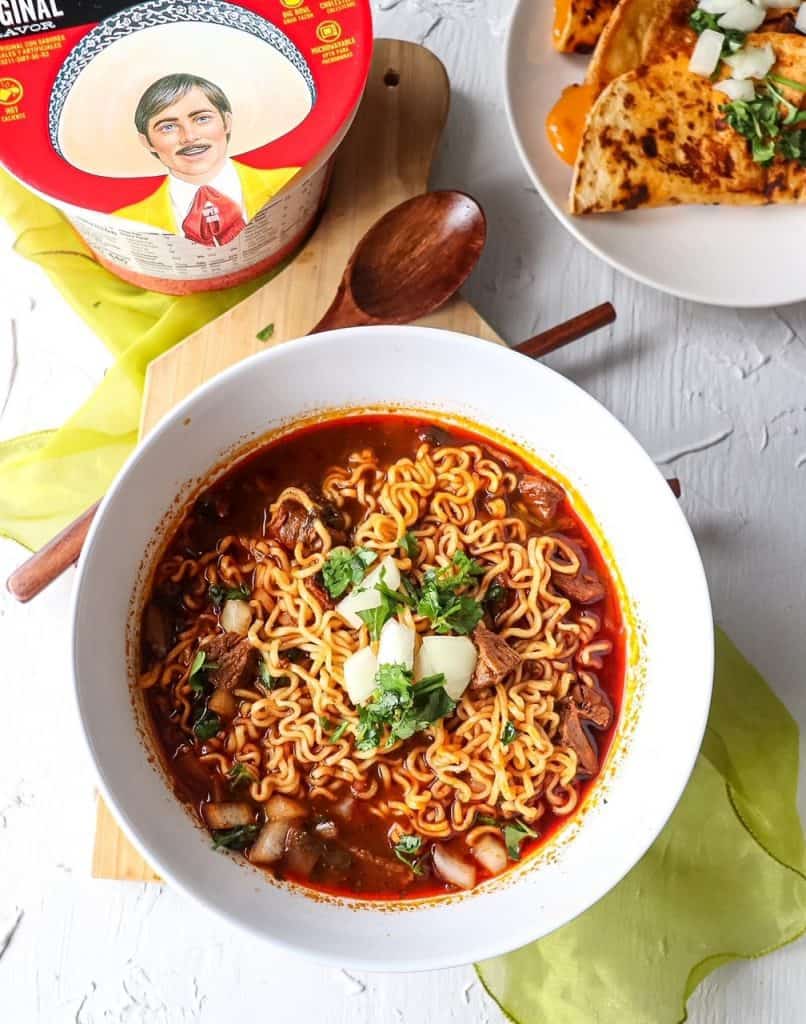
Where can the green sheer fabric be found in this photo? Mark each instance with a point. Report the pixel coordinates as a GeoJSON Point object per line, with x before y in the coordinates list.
{"type": "Point", "coordinates": [724, 880]}
{"type": "Point", "coordinates": [48, 478]}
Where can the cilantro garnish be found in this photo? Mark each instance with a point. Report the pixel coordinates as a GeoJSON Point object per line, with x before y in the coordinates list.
{"type": "Point", "coordinates": [770, 130]}
{"type": "Point", "coordinates": [344, 567]}
{"type": "Point", "coordinates": [514, 834]}
{"type": "Point", "coordinates": [508, 733]}
{"type": "Point", "coordinates": [409, 544]}
{"type": "Point", "coordinates": [266, 681]}
{"type": "Point", "coordinates": [240, 773]}
{"type": "Point", "coordinates": [398, 708]}
{"type": "Point", "coordinates": [333, 733]}
{"type": "Point", "coordinates": [439, 601]}
{"type": "Point", "coordinates": [234, 838]}
{"type": "Point", "coordinates": [407, 849]}
{"type": "Point", "coordinates": [206, 725]}
{"type": "Point", "coordinates": [218, 595]}
{"type": "Point", "coordinates": [265, 332]}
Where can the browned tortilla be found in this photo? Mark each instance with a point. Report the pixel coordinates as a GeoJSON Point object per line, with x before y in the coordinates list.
{"type": "Point", "coordinates": [656, 136]}
{"type": "Point", "coordinates": [582, 25]}
{"type": "Point", "coordinates": [646, 31]}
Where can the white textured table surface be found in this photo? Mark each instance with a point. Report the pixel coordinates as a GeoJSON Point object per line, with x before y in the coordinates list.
{"type": "Point", "coordinates": [717, 397]}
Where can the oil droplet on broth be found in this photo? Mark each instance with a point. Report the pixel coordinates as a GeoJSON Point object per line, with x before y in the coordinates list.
{"type": "Point", "coordinates": [566, 120]}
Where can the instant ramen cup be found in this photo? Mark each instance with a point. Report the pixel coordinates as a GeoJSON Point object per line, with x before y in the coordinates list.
{"type": "Point", "coordinates": [189, 144]}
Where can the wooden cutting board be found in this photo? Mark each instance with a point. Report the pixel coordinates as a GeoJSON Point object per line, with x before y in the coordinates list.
{"type": "Point", "coordinates": [385, 159]}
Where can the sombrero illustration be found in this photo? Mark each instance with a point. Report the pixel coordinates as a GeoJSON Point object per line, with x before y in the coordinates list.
{"type": "Point", "coordinates": [95, 94]}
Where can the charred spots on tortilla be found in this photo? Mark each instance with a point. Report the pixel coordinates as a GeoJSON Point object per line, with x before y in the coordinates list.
{"type": "Point", "coordinates": [649, 144]}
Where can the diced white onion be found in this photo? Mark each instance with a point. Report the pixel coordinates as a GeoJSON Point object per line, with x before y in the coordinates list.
{"type": "Point", "coordinates": [717, 6]}
{"type": "Point", "coordinates": [491, 853]}
{"type": "Point", "coordinates": [269, 846]}
{"type": "Point", "coordinates": [366, 596]}
{"type": "Point", "coordinates": [396, 646]}
{"type": "Point", "coordinates": [453, 869]}
{"type": "Point", "coordinates": [800, 20]}
{"type": "Point", "coordinates": [355, 602]}
{"type": "Point", "coordinates": [745, 17]}
{"type": "Point", "coordinates": [228, 815]}
{"type": "Point", "coordinates": [454, 656]}
{"type": "Point", "coordinates": [706, 53]}
{"type": "Point", "coordinates": [390, 572]}
{"type": "Point", "coordinates": [734, 90]}
{"type": "Point", "coordinates": [236, 617]}
{"type": "Point", "coordinates": [359, 675]}
{"type": "Point", "coordinates": [752, 61]}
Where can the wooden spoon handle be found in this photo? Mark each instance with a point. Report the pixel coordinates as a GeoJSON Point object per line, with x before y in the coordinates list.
{"type": "Point", "coordinates": [45, 565]}
{"type": "Point", "coordinates": [577, 327]}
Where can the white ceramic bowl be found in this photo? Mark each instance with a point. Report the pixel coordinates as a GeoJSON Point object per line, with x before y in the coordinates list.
{"type": "Point", "coordinates": [696, 252]}
{"type": "Point", "coordinates": [652, 550]}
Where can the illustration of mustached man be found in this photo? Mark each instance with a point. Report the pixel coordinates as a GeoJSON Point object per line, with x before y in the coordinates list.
{"type": "Point", "coordinates": [185, 122]}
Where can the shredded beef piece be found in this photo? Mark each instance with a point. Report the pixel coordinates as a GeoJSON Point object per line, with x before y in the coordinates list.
{"type": "Point", "coordinates": [319, 592]}
{"type": "Point", "coordinates": [572, 734]}
{"type": "Point", "coordinates": [292, 523]}
{"type": "Point", "coordinates": [496, 658]}
{"type": "Point", "coordinates": [585, 587]}
{"type": "Point", "coordinates": [235, 658]}
{"type": "Point", "coordinates": [379, 873]}
{"type": "Point", "coordinates": [542, 496]}
{"type": "Point", "coordinates": [593, 704]}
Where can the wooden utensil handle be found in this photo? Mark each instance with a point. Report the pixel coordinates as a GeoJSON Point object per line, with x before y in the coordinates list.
{"type": "Point", "coordinates": [43, 567]}
{"type": "Point", "coordinates": [577, 327]}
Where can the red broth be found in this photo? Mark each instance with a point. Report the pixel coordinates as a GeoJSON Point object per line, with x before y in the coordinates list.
{"type": "Point", "coordinates": [239, 504]}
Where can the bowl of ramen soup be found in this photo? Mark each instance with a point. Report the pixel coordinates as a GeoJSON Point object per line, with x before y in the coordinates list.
{"type": "Point", "coordinates": [392, 647]}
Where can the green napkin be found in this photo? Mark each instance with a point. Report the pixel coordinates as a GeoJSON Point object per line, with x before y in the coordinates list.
{"type": "Point", "coordinates": [724, 880]}
{"type": "Point", "coordinates": [48, 478]}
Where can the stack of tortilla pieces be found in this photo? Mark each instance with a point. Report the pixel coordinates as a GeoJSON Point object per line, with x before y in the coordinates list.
{"type": "Point", "coordinates": [656, 134]}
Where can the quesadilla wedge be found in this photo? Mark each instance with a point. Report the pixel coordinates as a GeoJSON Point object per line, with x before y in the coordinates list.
{"type": "Point", "coordinates": [645, 31]}
{"type": "Point", "coordinates": [660, 135]}
{"type": "Point", "coordinates": [579, 23]}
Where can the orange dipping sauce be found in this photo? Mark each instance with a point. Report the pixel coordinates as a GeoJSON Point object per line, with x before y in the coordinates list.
{"type": "Point", "coordinates": [566, 120]}
{"type": "Point", "coordinates": [561, 9]}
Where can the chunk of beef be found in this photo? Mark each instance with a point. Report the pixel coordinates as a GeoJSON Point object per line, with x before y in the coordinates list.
{"type": "Point", "coordinates": [292, 524]}
{"type": "Point", "coordinates": [572, 734]}
{"type": "Point", "coordinates": [156, 630]}
{"type": "Point", "coordinates": [593, 705]}
{"type": "Point", "coordinates": [584, 587]}
{"type": "Point", "coordinates": [319, 592]}
{"type": "Point", "coordinates": [235, 660]}
{"type": "Point", "coordinates": [542, 496]}
{"type": "Point", "coordinates": [380, 874]}
{"type": "Point", "coordinates": [496, 658]}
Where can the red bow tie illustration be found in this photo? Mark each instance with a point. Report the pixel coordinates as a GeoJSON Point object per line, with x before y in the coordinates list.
{"type": "Point", "coordinates": [213, 219]}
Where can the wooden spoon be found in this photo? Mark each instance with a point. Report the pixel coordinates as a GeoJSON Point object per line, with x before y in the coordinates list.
{"type": "Point", "coordinates": [408, 264]}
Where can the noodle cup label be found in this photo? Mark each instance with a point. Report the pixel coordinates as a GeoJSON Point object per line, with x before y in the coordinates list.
{"type": "Point", "coordinates": [188, 143]}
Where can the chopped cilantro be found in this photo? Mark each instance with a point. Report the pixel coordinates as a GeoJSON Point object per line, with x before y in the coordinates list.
{"type": "Point", "coordinates": [240, 773]}
{"type": "Point", "coordinates": [265, 332]}
{"type": "Point", "coordinates": [235, 838]}
{"type": "Point", "coordinates": [401, 707]}
{"type": "Point", "coordinates": [206, 725]}
{"type": "Point", "coordinates": [448, 611]}
{"type": "Point", "coordinates": [266, 681]}
{"type": "Point", "coordinates": [344, 567]}
{"type": "Point", "coordinates": [514, 834]}
{"type": "Point", "coordinates": [508, 733]}
{"type": "Point", "coordinates": [377, 617]}
{"type": "Point", "coordinates": [409, 545]}
{"type": "Point", "coordinates": [495, 598]}
{"type": "Point", "coordinates": [197, 678]}
{"type": "Point", "coordinates": [769, 122]}
{"type": "Point", "coordinates": [218, 595]}
{"type": "Point", "coordinates": [407, 849]}
{"type": "Point", "coordinates": [333, 733]}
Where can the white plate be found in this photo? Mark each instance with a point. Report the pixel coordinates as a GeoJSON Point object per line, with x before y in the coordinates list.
{"type": "Point", "coordinates": [726, 256]}
{"type": "Point", "coordinates": [652, 549]}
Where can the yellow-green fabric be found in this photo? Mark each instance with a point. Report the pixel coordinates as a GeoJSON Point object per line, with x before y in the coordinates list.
{"type": "Point", "coordinates": [724, 880]}
{"type": "Point", "coordinates": [48, 478]}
